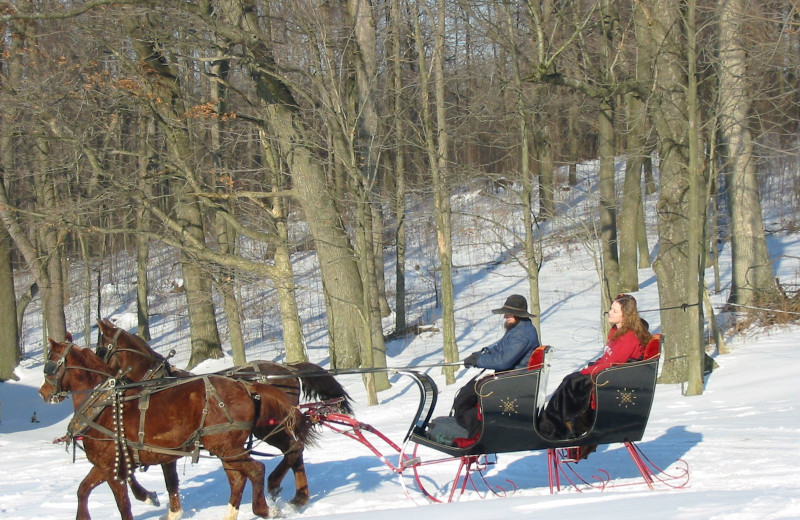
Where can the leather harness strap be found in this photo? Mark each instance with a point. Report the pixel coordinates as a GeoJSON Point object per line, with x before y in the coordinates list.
{"type": "Point", "coordinates": [84, 418]}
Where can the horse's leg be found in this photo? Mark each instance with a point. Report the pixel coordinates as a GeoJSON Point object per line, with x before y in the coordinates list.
{"type": "Point", "coordinates": [120, 490]}
{"type": "Point", "coordinates": [94, 478]}
{"type": "Point", "coordinates": [237, 472]}
{"type": "Point", "coordinates": [255, 473]}
{"type": "Point", "coordinates": [301, 495]}
{"type": "Point", "coordinates": [236, 482]}
{"type": "Point", "coordinates": [276, 477]}
{"type": "Point", "coordinates": [143, 495]}
{"type": "Point", "coordinates": [292, 458]}
{"type": "Point", "coordinates": [170, 470]}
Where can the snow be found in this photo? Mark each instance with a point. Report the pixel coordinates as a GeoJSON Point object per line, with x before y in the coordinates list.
{"type": "Point", "coordinates": [739, 438]}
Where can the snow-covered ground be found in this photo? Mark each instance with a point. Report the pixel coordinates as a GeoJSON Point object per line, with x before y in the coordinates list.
{"type": "Point", "coordinates": [739, 438]}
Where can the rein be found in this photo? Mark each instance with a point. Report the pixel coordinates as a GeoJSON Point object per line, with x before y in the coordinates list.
{"type": "Point", "coordinates": [348, 371]}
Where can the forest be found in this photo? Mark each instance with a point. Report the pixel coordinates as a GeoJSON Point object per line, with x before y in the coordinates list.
{"type": "Point", "coordinates": [238, 133]}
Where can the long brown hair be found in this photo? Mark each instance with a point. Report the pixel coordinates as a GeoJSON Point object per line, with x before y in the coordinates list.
{"type": "Point", "coordinates": [631, 320]}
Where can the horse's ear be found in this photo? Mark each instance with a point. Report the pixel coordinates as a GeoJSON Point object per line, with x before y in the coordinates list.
{"type": "Point", "coordinates": [103, 325]}
{"type": "Point", "coordinates": [51, 342]}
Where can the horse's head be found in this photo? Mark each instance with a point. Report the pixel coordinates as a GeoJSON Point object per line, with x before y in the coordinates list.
{"type": "Point", "coordinates": [109, 334]}
{"type": "Point", "coordinates": [128, 352]}
{"type": "Point", "coordinates": [69, 367]}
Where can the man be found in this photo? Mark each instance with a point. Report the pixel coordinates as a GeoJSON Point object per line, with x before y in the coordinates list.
{"type": "Point", "coordinates": [512, 351]}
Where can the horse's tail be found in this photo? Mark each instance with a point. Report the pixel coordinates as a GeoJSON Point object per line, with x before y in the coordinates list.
{"type": "Point", "coordinates": [319, 385]}
{"type": "Point", "coordinates": [276, 413]}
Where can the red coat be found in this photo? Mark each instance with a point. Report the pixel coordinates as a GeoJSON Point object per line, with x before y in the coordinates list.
{"type": "Point", "coordinates": [616, 351]}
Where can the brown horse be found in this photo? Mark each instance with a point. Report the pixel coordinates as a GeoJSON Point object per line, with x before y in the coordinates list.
{"type": "Point", "coordinates": [137, 359]}
{"type": "Point", "coordinates": [157, 423]}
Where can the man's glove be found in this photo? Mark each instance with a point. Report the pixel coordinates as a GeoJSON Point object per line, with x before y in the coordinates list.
{"type": "Point", "coordinates": [471, 360]}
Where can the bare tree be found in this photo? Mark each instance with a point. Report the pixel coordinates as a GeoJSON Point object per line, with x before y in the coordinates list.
{"type": "Point", "coordinates": [660, 37]}
{"type": "Point", "coordinates": [436, 146]}
{"type": "Point", "coordinates": [9, 343]}
{"type": "Point", "coordinates": [165, 91]}
{"type": "Point", "coordinates": [752, 283]}
{"type": "Point", "coordinates": [399, 107]}
{"type": "Point", "coordinates": [41, 249]}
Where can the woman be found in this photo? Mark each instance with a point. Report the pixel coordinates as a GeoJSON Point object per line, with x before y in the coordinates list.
{"type": "Point", "coordinates": [568, 413]}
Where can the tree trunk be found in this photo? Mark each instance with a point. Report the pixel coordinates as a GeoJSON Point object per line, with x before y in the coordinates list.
{"type": "Point", "coordinates": [293, 339]}
{"type": "Point", "coordinates": [9, 343]}
{"type": "Point", "coordinates": [378, 226]}
{"type": "Point", "coordinates": [226, 235]}
{"type": "Point", "coordinates": [338, 268]}
{"type": "Point", "coordinates": [572, 144]}
{"type": "Point", "coordinates": [543, 154]}
{"type": "Point", "coordinates": [340, 277]}
{"type": "Point", "coordinates": [608, 203]}
{"type": "Point", "coordinates": [660, 41]}
{"type": "Point", "coordinates": [197, 283]}
{"type": "Point", "coordinates": [147, 131]}
{"type": "Point", "coordinates": [226, 283]}
{"type": "Point", "coordinates": [83, 244]}
{"type": "Point", "coordinates": [695, 250]}
{"type": "Point", "coordinates": [532, 252]}
{"type": "Point", "coordinates": [436, 146]}
{"type": "Point", "coordinates": [164, 86]}
{"type": "Point", "coordinates": [752, 281]}
{"type": "Point", "coordinates": [367, 152]}
{"type": "Point", "coordinates": [607, 149]}
{"type": "Point", "coordinates": [632, 212]}
{"type": "Point", "coordinates": [9, 340]}
{"type": "Point", "coordinates": [397, 24]}
{"type": "Point", "coordinates": [50, 236]}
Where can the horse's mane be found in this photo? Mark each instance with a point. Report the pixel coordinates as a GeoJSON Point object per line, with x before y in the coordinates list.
{"type": "Point", "coordinates": [141, 344]}
{"type": "Point", "coordinates": [133, 340]}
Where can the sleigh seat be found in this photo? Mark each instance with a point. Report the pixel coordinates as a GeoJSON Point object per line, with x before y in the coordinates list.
{"type": "Point", "coordinates": [509, 403]}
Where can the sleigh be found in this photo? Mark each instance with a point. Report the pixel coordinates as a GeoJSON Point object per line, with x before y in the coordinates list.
{"type": "Point", "coordinates": [510, 403]}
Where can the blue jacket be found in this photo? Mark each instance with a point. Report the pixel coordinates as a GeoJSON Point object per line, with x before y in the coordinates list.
{"type": "Point", "coordinates": [512, 351]}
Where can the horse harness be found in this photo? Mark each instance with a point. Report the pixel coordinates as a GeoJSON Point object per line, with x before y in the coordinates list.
{"type": "Point", "coordinates": [161, 370]}
{"type": "Point", "coordinates": [111, 393]}
{"type": "Point", "coordinates": [252, 372]}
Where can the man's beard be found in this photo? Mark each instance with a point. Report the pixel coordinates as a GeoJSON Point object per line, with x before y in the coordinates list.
{"type": "Point", "coordinates": [510, 324]}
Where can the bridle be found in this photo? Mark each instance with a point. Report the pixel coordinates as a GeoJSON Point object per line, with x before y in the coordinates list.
{"type": "Point", "coordinates": [105, 352]}
{"type": "Point", "coordinates": [157, 363]}
{"type": "Point", "coordinates": [54, 371]}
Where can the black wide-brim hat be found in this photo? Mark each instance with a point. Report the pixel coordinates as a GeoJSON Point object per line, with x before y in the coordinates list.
{"type": "Point", "coordinates": [516, 305]}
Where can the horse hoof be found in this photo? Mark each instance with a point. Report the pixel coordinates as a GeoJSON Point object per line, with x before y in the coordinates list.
{"type": "Point", "coordinates": [262, 512]}
{"type": "Point", "coordinates": [152, 499]}
{"type": "Point", "coordinates": [299, 501]}
{"type": "Point", "coordinates": [231, 513]}
{"type": "Point", "coordinates": [173, 515]}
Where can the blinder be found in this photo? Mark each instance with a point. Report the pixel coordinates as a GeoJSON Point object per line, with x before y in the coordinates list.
{"type": "Point", "coordinates": [51, 367]}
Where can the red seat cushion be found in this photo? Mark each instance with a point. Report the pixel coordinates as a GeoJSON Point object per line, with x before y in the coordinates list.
{"type": "Point", "coordinates": [537, 358]}
{"type": "Point", "coordinates": [653, 348]}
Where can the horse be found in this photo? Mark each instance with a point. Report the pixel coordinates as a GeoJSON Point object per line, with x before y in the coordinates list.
{"type": "Point", "coordinates": [138, 360]}
{"type": "Point", "coordinates": [125, 426]}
